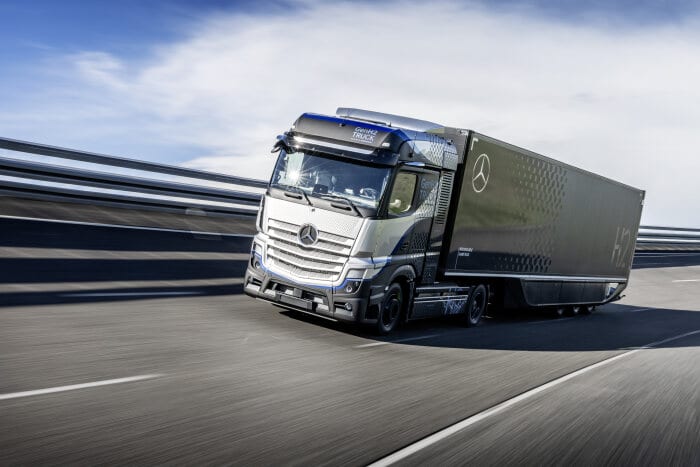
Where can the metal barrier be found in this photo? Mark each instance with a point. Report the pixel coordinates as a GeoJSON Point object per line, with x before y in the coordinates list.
{"type": "Point", "coordinates": [51, 182]}
{"type": "Point", "coordinates": [667, 238]}
{"type": "Point", "coordinates": [64, 183]}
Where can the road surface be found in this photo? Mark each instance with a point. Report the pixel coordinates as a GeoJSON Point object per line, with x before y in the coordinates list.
{"type": "Point", "coordinates": [122, 346]}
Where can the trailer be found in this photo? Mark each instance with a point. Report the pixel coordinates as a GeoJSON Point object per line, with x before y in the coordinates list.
{"type": "Point", "coordinates": [377, 219]}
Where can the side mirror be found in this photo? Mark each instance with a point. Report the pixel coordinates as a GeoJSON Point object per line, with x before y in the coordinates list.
{"type": "Point", "coordinates": [281, 144]}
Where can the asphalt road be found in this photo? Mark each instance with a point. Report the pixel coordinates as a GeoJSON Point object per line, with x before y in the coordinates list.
{"type": "Point", "coordinates": [181, 368]}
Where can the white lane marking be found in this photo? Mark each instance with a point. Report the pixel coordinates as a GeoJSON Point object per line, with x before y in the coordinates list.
{"type": "Point", "coordinates": [133, 227]}
{"type": "Point", "coordinates": [106, 382]}
{"type": "Point", "coordinates": [397, 341]}
{"type": "Point", "coordinates": [128, 294]}
{"type": "Point", "coordinates": [686, 280]}
{"type": "Point", "coordinates": [459, 426]}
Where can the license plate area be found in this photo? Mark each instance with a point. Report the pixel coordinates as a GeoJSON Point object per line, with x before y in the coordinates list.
{"type": "Point", "coordinates": [295, 302]}
{"type": "Point", "coordinates": [306, 300]}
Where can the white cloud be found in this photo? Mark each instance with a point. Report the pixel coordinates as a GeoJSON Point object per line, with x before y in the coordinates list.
{"type": "Point", "coordinates": [620, 102]}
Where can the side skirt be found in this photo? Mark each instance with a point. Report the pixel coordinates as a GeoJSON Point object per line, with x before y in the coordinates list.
{"type": "Point", "coordinates": [439, 300]}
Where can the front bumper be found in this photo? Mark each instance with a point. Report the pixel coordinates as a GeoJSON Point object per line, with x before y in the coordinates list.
{"type": "Point", "coordinates": [361, 306]}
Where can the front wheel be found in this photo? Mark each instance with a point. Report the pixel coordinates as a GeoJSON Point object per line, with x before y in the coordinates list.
{"type": "Point", "coordinates": [476, 305]}
{"type": "Point", "coordinates": [390, 311]}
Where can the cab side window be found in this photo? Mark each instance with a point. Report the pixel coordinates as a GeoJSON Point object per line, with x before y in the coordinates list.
{"type": "Point", "coordinates": [401, 199]}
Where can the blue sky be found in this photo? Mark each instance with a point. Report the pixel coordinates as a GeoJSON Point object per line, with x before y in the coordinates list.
{"type": "Point", "coordinates": [621, 13]}
{"type": "Point", "coordinates": [117, 26]}
{"type": "Point", "coordinates": [33, 30]}
{"type": "Point", "coordinates": [37, 36]}
{"type": "Point", "coordinates": [608, 86]}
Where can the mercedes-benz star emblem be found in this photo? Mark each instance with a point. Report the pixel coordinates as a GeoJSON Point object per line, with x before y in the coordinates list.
{"type": "Point", "coordinates": [308, 235]}
{"type": "Point", "coordinates": [480, 173]}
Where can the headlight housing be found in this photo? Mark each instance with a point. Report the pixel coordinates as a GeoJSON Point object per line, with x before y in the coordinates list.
{"type": "Point", "coordinates": [256, 256]}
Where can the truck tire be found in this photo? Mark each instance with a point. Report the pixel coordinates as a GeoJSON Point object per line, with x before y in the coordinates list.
{"type": "Point", "coordinates": [476, 305]}
{"type": "Point", "coordinates": [587, 309]}
{"type": "Point", "coordinates": [573, 310]}
{"type": "Point", "coordinates": [390, 310]}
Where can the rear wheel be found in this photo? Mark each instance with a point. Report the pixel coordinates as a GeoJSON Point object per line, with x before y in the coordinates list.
{"type": "Point", "coordinates": [587, 309]}
{"type": "Point", "coordinates": [558, 311]}
{"type": "Point", "coordinates": [390, 311]}
{"type": "Point", "coordinates": [476, 305]}
{"type": "Point", "coordinates": [573, 310]}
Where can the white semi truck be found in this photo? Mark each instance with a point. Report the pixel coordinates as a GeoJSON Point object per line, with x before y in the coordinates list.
{"type": "Point", "coordinates": [376, 218]}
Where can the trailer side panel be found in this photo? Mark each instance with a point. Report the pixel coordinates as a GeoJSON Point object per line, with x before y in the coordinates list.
{"type": "Point", "coordinates": [522, 215]}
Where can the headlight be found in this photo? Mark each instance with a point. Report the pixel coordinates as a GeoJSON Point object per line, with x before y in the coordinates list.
{"type": "Point", "coordinates": [256, 256]}
{"type": "Point", "coordinates": [356, 274]}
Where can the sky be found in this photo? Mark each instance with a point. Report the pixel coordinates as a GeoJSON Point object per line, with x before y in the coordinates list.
{"type": "Point", "coordinates": [610, 87]}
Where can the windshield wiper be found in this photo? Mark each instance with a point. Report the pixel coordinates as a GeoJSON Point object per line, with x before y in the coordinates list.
{"type": "Point", "coordinates": [347, 202]}
{"type": "Point", "coordinates": [292, 192]}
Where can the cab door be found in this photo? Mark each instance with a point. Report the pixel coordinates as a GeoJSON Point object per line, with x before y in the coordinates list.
{"type": "Point", "coordinates": [410, 210]}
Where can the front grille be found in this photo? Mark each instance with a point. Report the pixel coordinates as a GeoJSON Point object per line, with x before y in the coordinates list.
{"type": "Point", "coordinates": [323, 261]}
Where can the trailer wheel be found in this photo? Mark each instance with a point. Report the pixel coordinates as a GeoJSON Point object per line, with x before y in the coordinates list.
{"type": "Point", "coordinates": [573, 310]}
{"type": "Point", "coordinates": [476, 306]}
{"type": "Point", "coordinates": [587, 309]}
{"type": "Point", "coordinates": [390, 311]}
{"type": "Point", "coordinates": [558, 311]}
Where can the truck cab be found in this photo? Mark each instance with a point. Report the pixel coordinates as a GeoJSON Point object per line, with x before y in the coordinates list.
{"type": "Point", "coordinates": [353, 218]}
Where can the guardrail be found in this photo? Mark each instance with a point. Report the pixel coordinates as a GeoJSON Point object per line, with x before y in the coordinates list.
{"type": "Point", "coordinates": [52, 182]}
{"type": "Point", "coordinates": [30, 179]}
{"type": "Point", "coordinates": [667, 238]}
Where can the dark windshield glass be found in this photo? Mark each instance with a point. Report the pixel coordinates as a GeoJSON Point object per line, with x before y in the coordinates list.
{"type": "Point", "coordinates": [318, 176]}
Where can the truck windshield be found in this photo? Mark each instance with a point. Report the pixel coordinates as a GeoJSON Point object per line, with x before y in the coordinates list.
{"type": "Point", "coordinates": [319, 176]}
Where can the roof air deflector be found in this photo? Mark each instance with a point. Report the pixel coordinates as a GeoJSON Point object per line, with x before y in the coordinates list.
{"type": "Point", "coordinates": [395, 121]}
